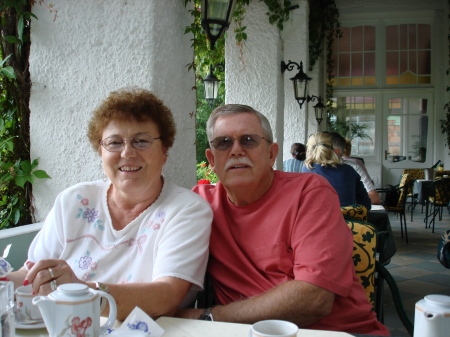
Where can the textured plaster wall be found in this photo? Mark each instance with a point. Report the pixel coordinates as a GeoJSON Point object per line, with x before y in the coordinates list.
{"type": "Point", "coordinates": [89, 50]}
{"type": "Point", "coordinates": [253, 73]}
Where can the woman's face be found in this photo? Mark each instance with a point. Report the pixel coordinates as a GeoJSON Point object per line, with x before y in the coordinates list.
{"type": "Point", "coordinates": [131, 170]}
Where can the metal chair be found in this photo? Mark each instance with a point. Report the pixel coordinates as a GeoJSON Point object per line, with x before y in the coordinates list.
{"type": "Point", "coordinates": [399, 207]}
{"type": "Point", "coordinates": [383, 275]}
{"type": "Point", "coordinates": [372, 273]}
{"type": "Point", "coordinates": [439, 199]}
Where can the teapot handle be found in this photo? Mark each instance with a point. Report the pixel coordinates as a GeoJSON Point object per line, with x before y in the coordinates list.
{"type": "Point", "coordinates": [112, 312]}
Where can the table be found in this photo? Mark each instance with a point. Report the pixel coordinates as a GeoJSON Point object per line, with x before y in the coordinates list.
{"type": "Point", "coordinates": [176, 327]}
{"type": "Point", "coordinates": [421, 192]}
{"type": "Point", "coordinates": [378, 217]}
{"type": "Point", "coordinates": [421, 188]}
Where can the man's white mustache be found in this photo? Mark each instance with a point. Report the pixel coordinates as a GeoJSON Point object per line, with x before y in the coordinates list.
{"type": "Point", "coordinates": [238, 161]}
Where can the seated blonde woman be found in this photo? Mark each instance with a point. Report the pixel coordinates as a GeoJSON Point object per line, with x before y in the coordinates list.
{"type": "Point", "coordinates": [322, 159]}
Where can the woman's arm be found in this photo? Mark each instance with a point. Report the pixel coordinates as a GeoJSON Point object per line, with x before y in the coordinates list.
{"type": "Point", "coordinates": [158, 298]}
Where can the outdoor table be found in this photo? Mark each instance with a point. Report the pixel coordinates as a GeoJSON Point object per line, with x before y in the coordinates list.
{"type": "Point", "coordinates": [421, 191]}
{"type": "Point", "coordinates": [421, 187]}
{"type": "Point", "coordinates": [176, 327]}
{"type": "Point", "coordinates": [379, 218]}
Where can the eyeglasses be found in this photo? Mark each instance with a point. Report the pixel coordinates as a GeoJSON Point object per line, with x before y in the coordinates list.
{"type": "Point", "coordinates": [115, 144]}
{"type": "Point", "coordinates": [246, 141]}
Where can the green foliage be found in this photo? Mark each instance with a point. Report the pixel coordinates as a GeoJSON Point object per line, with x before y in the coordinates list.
{"type": "Point", "coordinates": [349, 130]}
{"type": "Point", "coordinates": [204, 172]}
{"type": "Point", "coordinates": [278, 13]}
{"type": "Point", "coordinates": [17, 171]}
{"type": "Point", "coordinates": [324, 26]}
{"type": "Point", "coordinates": [445, 123]}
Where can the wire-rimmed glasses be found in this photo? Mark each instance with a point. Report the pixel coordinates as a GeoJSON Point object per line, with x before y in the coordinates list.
{"type": "Point", "coordinates": [115, 143]}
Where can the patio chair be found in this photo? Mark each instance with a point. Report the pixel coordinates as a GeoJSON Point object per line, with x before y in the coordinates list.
{"type": "Point", "coordinates": [364, 255]}
{"type": "Point", "coordinates": [414, 174]}
{"type": "Point", "coordinates": [373, 274]}
{"type": "Point", "coordinates": [439, 199]}
{"type": "Point", "coordinates": [399, 206]}
{"type": "Point", "coordinates": [355, 211]}
{"type": "Point", "coordinates": [383, 275]}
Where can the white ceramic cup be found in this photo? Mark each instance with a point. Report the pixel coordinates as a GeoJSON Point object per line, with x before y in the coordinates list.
{"type": "Point", "coordinates": [273, 328]}
{"type": "Point", "coordinates": [25, 309]}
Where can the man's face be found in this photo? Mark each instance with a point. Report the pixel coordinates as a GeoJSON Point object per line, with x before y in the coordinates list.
{"type": "Point", "coordinates": [240, 166]}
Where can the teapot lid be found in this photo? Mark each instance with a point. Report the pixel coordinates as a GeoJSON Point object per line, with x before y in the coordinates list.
{"type": "Point", "coordinates": [440, 300]}
{"type": "Point", "coordinates": [73, 292]}
{"type": "Point", "coordinates": [72, 287]}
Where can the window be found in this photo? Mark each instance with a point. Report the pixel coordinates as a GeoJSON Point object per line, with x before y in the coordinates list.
{"type": "Point", "coordinates": [405, 54]}
{"type": "Point", "coordinates": [355, 117]}
{"type": "Point", "coordinates": [354, 56]}
{"type": "Point", "coordinates": [408, 54]}
{"type": "Point", "coordinates": [407, 129]}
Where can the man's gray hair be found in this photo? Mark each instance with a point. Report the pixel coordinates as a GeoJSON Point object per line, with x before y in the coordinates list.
{"type": "Point", "coordinates": [234, 109]}
{"type": "Point", "coordinates": [338, 142]}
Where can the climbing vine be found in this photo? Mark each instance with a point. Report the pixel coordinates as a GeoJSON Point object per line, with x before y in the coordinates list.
{"type": "Point", "coordinates": [17, 170]}
{"type": "Point", "coordinates": [323, 27]}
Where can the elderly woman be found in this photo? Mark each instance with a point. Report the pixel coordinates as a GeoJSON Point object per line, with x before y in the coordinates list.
{"type": "Point", "coordinates": [143, 236]}
{"type": "Point", "coordinates": [322, 159]}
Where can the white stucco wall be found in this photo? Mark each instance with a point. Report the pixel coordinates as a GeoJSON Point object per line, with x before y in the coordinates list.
{"type": "Point", "coordinates": [254, 77]}
{"type": "Point", "coordinates": [91, 49]}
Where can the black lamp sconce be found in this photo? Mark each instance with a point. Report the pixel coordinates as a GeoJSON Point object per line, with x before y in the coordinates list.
{"type": "Point", "coordinates": [319, 108]}
{"type": "Point", "coordinates": [211, 83]}
{"type": "Point", "coordinates": [216, 18]}
{"type": "Point", "coordinates": [300, 82]}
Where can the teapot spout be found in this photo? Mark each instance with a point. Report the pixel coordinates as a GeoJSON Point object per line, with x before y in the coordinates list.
{"type": "Point", "coordinates": [47, 308]}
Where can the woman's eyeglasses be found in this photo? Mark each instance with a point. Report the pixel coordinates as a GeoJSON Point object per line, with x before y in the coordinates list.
{"type": "Point", "coordinates": [246, 141]}
{"type": "Point", "coordinates": [115, 144]}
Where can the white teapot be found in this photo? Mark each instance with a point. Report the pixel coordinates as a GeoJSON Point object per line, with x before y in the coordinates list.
{"type": "Point", "coordinates": [432, 316]}
{"type": "Point", "coordinates": [74, 310]}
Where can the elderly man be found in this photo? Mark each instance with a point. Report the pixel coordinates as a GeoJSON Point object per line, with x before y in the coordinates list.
{"type": "Point", "coordinates": [279, 246]}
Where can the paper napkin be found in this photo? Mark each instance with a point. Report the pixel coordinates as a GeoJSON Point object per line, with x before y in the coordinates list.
{"type": "Point", "coordinates": [138, 323]}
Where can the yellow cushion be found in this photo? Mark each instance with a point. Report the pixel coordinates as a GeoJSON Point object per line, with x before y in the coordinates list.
{"type": "Point", "coordinates": [364, 255]}
{"type": "Point", "coordinates": [355, 211]}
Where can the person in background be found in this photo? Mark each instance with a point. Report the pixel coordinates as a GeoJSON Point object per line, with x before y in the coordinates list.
{"type": "Point", "coordinates": [295, 164]}
{"type": "Point", "coordinates": [268, 259]}
{"type": "Point", "coordinates": [344, 147]}
{"type": "Point", "coordinates": [143, 236]}
{"type": "Point", "coordinates": [322, 158]}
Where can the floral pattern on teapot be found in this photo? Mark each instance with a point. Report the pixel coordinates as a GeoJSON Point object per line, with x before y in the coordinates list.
{"type": "Point", "coordinates": [76, 326]}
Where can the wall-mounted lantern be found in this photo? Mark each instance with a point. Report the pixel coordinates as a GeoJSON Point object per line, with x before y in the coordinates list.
{"type": "Point", "coordinates": [216, 18]}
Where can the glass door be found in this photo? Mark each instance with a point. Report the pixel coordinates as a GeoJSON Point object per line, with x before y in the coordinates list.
{"type": "Point", "coordinates": [407, 134]}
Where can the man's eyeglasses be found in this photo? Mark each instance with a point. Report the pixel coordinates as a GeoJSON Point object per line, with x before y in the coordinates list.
{"type": "Point", "coordinates": [115, 144]}
{"type": "Point", "coordinates": [246, 141]}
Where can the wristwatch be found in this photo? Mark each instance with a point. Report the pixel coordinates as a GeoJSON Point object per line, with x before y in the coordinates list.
{"type": "Point", "coordinates": [102, 287]}
{"type": "Point", "coordinates": [207, 315]}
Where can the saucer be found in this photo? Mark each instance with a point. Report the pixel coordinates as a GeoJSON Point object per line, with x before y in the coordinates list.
{"type": "Point", "coordinates": [29, 326]}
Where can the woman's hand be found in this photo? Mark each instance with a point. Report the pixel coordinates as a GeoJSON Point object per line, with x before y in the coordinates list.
{"type": "Point", "coordinates": [46, 275]}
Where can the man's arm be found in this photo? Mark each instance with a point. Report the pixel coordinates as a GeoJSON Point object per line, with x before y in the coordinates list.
{"type": "Point", "coordinates": [374, 197]}
{"type": "Point", "coordinates": [296, 301]}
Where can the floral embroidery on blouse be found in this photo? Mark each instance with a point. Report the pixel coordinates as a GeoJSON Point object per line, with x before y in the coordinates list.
{"type": "Point", "coordinates": [89, 213]}
{"type": "Point", "coordinates": [88, 265]}
{"type": "Point", "coordinates": [155, 222]}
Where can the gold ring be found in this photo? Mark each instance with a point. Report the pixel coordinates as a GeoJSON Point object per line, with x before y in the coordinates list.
{"type": "Point", "coordinates": [53, 285]}
{"type": "Point", "coordinates": [50, 270]}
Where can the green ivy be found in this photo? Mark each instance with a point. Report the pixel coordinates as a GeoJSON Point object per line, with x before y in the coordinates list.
{"type": "Point", "coordinates": [17, 170]}
{"type": "Point", "coordinates": [445, 123]}
{"type": "Point", "coordinates": [323, 26]}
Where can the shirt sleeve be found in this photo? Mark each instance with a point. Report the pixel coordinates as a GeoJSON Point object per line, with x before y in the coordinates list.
{"type": "Point", "coordinates": [49, 242]}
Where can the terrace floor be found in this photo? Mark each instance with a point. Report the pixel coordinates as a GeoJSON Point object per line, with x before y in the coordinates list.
{"type": "Point", "coordinates": [415, 267]}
